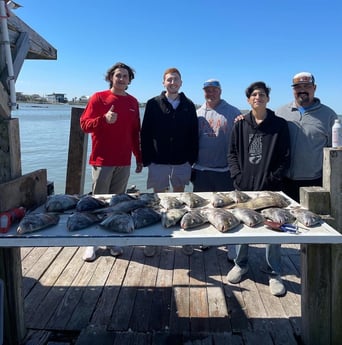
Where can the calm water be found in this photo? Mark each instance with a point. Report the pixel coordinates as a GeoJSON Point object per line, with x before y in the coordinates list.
{"type": "Point", "coordinates": [44, 138]}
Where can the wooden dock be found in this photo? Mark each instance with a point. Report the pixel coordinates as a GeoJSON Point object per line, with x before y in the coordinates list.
{"type": "Point", "coordinates": [170, 298]}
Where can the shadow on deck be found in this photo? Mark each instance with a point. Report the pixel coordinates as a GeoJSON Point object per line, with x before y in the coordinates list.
{"type": "Point", "coordinates": [170, 298]}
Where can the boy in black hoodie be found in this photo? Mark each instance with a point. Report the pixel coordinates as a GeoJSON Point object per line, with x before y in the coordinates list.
{"type": "Point", "coordinates": [258, 157]}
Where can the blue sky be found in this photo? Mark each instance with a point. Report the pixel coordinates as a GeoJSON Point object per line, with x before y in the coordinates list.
{"type": "Point", "coordinates": [237, 42]}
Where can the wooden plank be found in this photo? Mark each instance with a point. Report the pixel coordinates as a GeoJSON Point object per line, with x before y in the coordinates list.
{"type": "Point", "coordinates": [20, 52]}
{"type": "Point", "coordinates": [198, 303]}
{"type": "Point", "coordinates": [123, 308]}
{"type": "Point", "coordinates": [112, 288]}
{"type": "Point", "coordinates": [77, 156]}
{"type": "Point", "coordinates": [180, 311]}
{"type": "Point", "coordinates": [29, 190]}
{"type": "Point", "coordinates": [161, 305]}
{"type": "Point", "coordinates": [5, 110]}
{"type": "Point", "coordinates": [142, 310]}
{"type": "Point", "coordinates": [218, 311]}
{"type": "Point", "coordinates": [10, 167]}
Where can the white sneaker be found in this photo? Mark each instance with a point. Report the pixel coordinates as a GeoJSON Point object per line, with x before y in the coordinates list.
{"type": "Point", "coordinates": [277, 287]}
{"type": "Point", "coordinates": [234, 276]}
{"type": "Point", "coordinates": [115, 251]}
{"type": "Point", "coordinates": [89, 254]}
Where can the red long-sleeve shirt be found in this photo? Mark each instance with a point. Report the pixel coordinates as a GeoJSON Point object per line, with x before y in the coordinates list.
{"type": "Point", "coordinates": [112, 144]}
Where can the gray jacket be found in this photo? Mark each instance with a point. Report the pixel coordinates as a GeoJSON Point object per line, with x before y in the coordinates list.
{"type": "Point", "coordinates": [310, 132]}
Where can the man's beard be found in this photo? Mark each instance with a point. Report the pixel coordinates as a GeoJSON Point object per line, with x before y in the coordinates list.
{"type": "Point", "coordinates": [303, 98]}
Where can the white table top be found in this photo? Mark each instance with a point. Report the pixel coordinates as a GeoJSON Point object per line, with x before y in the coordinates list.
{"type": "Point", "coordinates": [58, 235]}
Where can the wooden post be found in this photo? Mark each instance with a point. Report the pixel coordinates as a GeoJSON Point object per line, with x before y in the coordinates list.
{"type": "Point", "coordinates": [10, 155]}
{"type": "Point", "coordinates": [78, 146]}
{"type": "Point", "coordinates": [321, 264]}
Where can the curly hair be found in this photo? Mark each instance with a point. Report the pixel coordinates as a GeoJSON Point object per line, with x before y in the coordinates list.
{"type": "Point", "coordinates": [111, 70]}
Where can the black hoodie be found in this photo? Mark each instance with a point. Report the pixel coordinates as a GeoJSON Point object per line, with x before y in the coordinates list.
{"type": "Point", "coordinates": [259, 154]}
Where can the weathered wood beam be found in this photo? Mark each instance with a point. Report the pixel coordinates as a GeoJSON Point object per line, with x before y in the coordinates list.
{"type": "Point", "coordinates": [78, 145]}
{"type": "Point", "coordinates": [10, 155]}
{"type": "Point", "coordinates": [20, 52]}
{"type": "Point", "coordinates": [39, 48]}
{"type": "Point", "coordinates": [29, 190]}
{"type": "Point", "coordinates": [5, 110]}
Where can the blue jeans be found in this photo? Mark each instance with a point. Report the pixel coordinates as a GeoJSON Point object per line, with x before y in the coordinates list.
{"type": "Point", "coordinates": [273, 257]}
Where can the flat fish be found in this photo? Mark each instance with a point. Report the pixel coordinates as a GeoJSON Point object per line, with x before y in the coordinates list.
{"type": "Point", "coordinates": [118, 222]}
{"type": "Point", "coordinates": [61, 202]}
{"type": "Point", "coordinates": [278, 215]}
{"type": "Point", "coordinates": [117, 198]}
{"type": "Point", "coordinates": [172, 216]}
{"type": "Point", "coordinates": [81, 220]}
{"type": "Point", "coordinates": [89, 203]}
{"type": "Point", "coordinates": [239, 196]}
{"type": "Point", "coordinates": [247, 216]}
{"type": "Point", "coordinates": [144, 216]}
{"type": "Point", "coordinates": [220, 218]}
{"type": "Point", "coordinates": [261, 202]}
{"type": "Point", "coordinates": [306, 217]}
{"type": "Point", "coordinates": [219, 199]}
{"type": "Point", "coordinates": [193, 219]}
{"type": "Point", "coordinates": [169, 202]}
{"type": "Point", "coordinates": [192, 200]}
{"type": "Point", "coordinates": [37, 221]}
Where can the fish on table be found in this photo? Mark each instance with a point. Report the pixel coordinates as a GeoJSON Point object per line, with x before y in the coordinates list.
{"type": "Point", "coordinates": [123, 206]}
{"type": "Point", "coordinates": [81, 220]}
{"type": "Point", "coordinates": [192, 199]}
{"type": "Point", "coordinates": [306, 217]}
{"type": "Point", "coordinates": [220, 218]}
{"type": "Point", "coordinates": [61, 202]}
{"type": "Point", "coordinates": [37, 221]}
{"type": "Point", "coordinates": [118, 198]}
{"type": "Point", "coordinates": [220, 199]}
{"type": "Point", "coordinates": [238, 196]}
{"type": "Point", "coordinates": [172, 216]}
{"type": "Point", "coordinates": [192, 219]}
{"type": "Point", "coordinates": [264, 201]}
{"type": "Point", "coordinates": [278, 215]}
{"type": "Point", "coordinates": [170, 202]}
{"type": "Point", "coordinates": [144, 216]}
{"type": "Point", "coordinates": [90, 203]}
{"type": "Point", "coordinates": [248, 216]}
{"type": "Point", "coordinates": [118, 222]}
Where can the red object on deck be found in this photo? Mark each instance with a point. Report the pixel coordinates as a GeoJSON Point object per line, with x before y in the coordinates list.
{"type": "Point", "coordinates": [9, 217]}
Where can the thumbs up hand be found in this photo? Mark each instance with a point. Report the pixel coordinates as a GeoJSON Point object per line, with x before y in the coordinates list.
{"type": "Point", "coordinates": [111, 116]}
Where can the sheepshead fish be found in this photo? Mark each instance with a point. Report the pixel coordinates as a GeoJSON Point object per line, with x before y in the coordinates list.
{"type": "Point", "coordinates": [219, 199]}
{"type": "Point", "coordinates": [89, 203]}
{"type": "Point", "coordinates": [144, 216]}
{"type": "Point", "coordinates": [220, 218]}
{"type": "Point", "coordinates": [117, 198]}
{"type": "Point", "coordinates": [192, 200]}
{"type": "Point", "coordinates": [118, 222]}
{"type": "Point", "coordinates": [306, 217]}
{"type": "Point", "coordinates": [247, 216]}
{"type": "Point", "coordinates": [123, 207]}
{"type": "Point", "coordinates": [192, 219]}
{"type": "Point", "coordinates": [61, 202]}
{"type": "Point", "coordinates": [151, 199]}
{"type": "Point", "coordinates": [172, 216]}
{"type": "Point", "coordinates": [81, 220]}
{"type": "Point", "coordinates": [167, 202]}
{"type": "Point", "coordinates": [37, 221]}
{"type": "Point", "coordinates": [239, 196]}
{"type": "Point", "coordinates": [261, 202]}
{"type": "Point", "coordinates": [278, 215]}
